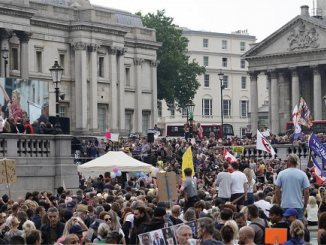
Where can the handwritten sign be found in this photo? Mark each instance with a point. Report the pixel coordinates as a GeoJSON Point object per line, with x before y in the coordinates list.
{"type": "Point", "coordinates": [167, 186]}
{"type": "Point", "coordinates": [237, 149]}
{"type": "Point", "coordinates": [8, 171]}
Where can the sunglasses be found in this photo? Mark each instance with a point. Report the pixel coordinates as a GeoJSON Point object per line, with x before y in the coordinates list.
{"type": "Point", "coordinates": [108, 219]}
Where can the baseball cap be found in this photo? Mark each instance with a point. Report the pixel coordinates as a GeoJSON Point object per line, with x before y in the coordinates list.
{"type": "Point", "coordinates": [96, 224]}
{"type": "Point", "coordinates": [76, 229]}
{"type": "Point", "coordinates": [290, 212]}
{"type": "Point", "coordinates": [70, 205]}
{"type": "Point", "coordinates": [276, 210]}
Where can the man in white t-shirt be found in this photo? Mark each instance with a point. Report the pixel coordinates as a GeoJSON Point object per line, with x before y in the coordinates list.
{"type": "Point", "coordinates": [223, 183]}
{"type": "Point", "coordinates": [262, 204]}
{"type": "Point", "coordinates": [239, 186]}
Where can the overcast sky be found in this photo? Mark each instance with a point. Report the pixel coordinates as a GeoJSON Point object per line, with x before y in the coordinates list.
{"type": "Point", "coordinates": [260, 17]}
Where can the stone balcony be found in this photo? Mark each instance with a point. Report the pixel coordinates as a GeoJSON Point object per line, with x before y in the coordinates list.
{"type": "Point", "coordinates": [43, 162]}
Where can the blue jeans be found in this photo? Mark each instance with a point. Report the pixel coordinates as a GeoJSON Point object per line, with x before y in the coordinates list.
{"type": "Point", "coordinates": [224, 200]}
{"type": "Point", "coordinates": [250, 199]}
{"type": "Point", "coordinates": [299, 210]}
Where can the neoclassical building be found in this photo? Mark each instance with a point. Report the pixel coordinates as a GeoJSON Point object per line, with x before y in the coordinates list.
{"type": "Point", "coordinates": [109, 61]}
{"type": "Point", "coordinates": [293, 60]}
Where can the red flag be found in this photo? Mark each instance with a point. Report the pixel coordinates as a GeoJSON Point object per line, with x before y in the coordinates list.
{"type": "Point", "coordinates": [228, 156]}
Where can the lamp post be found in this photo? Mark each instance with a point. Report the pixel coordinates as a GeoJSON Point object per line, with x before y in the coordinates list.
{"type": "Point", "coordinates": [56, 73]}
{"type": "Point", "coordinates": [190, 108]}
{"type": "Point", "coordinates": [5, 55]}
{"type": "Point", "coordinates": [221, 76]}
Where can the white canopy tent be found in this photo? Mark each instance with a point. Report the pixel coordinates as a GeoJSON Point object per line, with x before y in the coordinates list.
{"type": "Point", "coordinates": [112, 159]}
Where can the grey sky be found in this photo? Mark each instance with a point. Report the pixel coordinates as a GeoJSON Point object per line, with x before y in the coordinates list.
{"type": "Point", "coordinates": [260, 17]}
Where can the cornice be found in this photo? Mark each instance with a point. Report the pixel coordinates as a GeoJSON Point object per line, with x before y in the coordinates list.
{"type": "Point", "coordinates": [138, 43]}
{"type": "Point", "coordinates": [12, 10]}
{"type": "Point", "coordinates": [286, 54]}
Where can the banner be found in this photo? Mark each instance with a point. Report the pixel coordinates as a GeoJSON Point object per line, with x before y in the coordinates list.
{"type": "Point", "coordinates": [187, 162]}
{"type": "Point", "coordinates": [238, 149]}
{"type": "Point", "coordinates": [304, 115]}
{"type": "Point", "coordinates": [319, 173]}
{"type": "Point", "coordinates": [263, 144]}
{"type": "Point", "coordinates": [296, 125]}
{"type": "Point", "coordinates": [228, 156]}
{"type": "Point", "coordinates": [318, 148]}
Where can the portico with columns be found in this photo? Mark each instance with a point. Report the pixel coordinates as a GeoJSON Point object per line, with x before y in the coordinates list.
{"type": "Point", "coordinates": [293, 59]}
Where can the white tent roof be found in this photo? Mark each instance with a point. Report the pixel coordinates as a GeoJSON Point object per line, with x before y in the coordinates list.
{"type": "Point", "coordinates": [112, 159]}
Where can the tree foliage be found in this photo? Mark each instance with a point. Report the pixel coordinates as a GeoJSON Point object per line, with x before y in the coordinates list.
{"type": "Point", "coordinates": [176, 76]}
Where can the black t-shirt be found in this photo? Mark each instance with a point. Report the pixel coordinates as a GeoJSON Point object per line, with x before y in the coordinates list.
{"type": "Point", "coordinates": [322, 208]}
{"type": "Point", "coordinates": [283, 225]}
{"type": "Point", "coordinates": [20, 128]}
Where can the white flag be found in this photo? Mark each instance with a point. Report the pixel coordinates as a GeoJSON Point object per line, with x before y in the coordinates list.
{"type": "Point", "coordinates": [296, 125]}
{"type": "Point", "coordinates": [263, 144]}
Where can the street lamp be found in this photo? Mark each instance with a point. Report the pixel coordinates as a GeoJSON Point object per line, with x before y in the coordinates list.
{"type": "Point", "coordinates": [221, 76]}
{"type": "Point", "coordinates": [190, 108]}
{"type": "Point", "coordinates": [5, 55]}
{"type": "Point", "coordinates": [56, 73]}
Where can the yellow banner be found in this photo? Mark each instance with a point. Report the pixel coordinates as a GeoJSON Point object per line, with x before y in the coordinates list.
{"type": "Point", "coordinates": [187, 162]}
{"type": "Point", "coordinates": [237, 149]}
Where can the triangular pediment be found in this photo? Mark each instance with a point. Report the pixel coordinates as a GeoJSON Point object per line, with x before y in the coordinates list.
{"type": "Point", "coordinates": [302, 34]}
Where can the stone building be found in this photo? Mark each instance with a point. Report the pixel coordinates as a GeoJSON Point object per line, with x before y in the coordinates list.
{"type": "Point", "coordinates": [109, 61]}
{"type": "Point", "coordinates": [218, 52]}
{"type": "Point", "coordinates": [293, 60]}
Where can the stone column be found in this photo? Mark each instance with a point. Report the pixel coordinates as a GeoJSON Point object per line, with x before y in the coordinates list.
{"type": "Point", "coordinates": [275, 129]}
{"type": "Point", "coordinates": [24, 60]}
{"type": "Point", "coordinates": [113, 118]}
{"type": "Point", "coordinates": [121, 104]}
{"type": "Point", "coordinates": [93, 114]}
{"type": "Point", "coordinates": [138, 107]}
{"type": "Point", "coordinates": [254, 101]}
{"type": "Point", "coordinates": [268, 81]}
{"type": "Point", "coordinates": [287, 102]}
{"type": "Point", "coordinates": [295, 87]}
{"type": "Point", "coordinates": [81, 85]}
{"type": "Point", "coordinates": [5, 36]}
{"type": "Point", "coordinates": [154, 115]}
{"type": "Point", "coordinates": [318, 111]}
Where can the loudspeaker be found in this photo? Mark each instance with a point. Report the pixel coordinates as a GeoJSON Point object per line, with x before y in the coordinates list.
{"type": "Point", "coordinates": [150, 137]}
{"type": "Point", "coordinates": [64, 123]}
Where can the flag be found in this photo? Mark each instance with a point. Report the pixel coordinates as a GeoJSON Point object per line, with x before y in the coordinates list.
{"type": "Point", "coordinates": [228, 156]}
{"type": "Point", "coordinates": [318, 148]}
{"type": "Point", "coordinates": [304, 115]}
{"type": "Point", "coordinates": [296, 125]}
{"type": "Point", "coordinates": [263, 144]}
{"type": "Point", "coordinates": [187, 162]}
{"type": "Point", "coordinates": [319, 173]}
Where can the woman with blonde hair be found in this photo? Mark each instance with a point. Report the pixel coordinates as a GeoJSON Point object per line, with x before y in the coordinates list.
{"type": "Point", "coordinates": [111, 220]}
{"type": "Point", "coordinates": [297, 233]}
{"type": "Point", "coordinates": [28, 226]}
{"type": "Point", "coordinates": [251, 187]}
{"type": "Point", "coordinates": [312, 212]}
{"type": "Point", "coordinates": [235, 228]}
{"type": "Point", "coordinates": [13, 104]}
{"type": "Point", "coordinates": [69, 224]}
{"type": "Point", "coordinates": [13, 225]}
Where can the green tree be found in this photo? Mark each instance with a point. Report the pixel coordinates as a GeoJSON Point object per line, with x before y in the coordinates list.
{"type": "Point", "coordinates": [176, 76]}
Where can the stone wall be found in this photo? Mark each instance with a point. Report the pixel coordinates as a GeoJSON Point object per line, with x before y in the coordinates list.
{"type": "Point", "coordinates": [43, 162]}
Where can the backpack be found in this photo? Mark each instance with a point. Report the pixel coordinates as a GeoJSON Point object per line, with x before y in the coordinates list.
{"type": "Point", "coordinates": [263, 229]}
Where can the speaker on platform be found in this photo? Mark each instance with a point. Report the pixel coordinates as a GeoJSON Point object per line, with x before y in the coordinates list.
{"type": "Point", "coordinates": [64, 123]}
{"type": "Point", "coordinates": [150, 137]}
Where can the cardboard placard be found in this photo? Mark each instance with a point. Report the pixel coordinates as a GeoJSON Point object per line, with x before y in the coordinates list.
{"type": "Point", "coordinates": [114, 137]}
{"type": "Point", "coordinates": [272, 233]}
{"type": "Point", "coordinates": [108, 135]}
{"type": "Point", "coordinates": [8, 171]}
{"type": "Point", "coordinates": [167, 190]}
{"type": "Point", "coordinates": [238, 149]}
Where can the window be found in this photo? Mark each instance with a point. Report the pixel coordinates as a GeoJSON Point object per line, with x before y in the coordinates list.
{"type": "Point", "coordinates": [242, 131]}
{"type": "Point", "coordinates": [243, 64]}
{"type": "Point", "coordinates": [242, 46]}
{"type": "Point", "coordinates": [100, 67]}
{"type": "Point", "coordinates": [224, 44]}
{"type": "Point", "coordinates": [127, 76]}
{"type": "Point", "coordinates": [14, 59]}
{"type": "Point", "coordinates": [244, 106]}
{"type": "Point", "coordinates": [243, 82]}
{"type": "Point", "coordinates": [207, 107]}
{"type": "Point", "coordinates": [205, 60]}
{"type": "Point", "coordinates": [226, 81]}
{"type": "Point", "coordinates": [62, 60]}
{"type": "Point", "coordinates": [206, 81]}
{"type": "Point", "coordinates": [205, 43]}
{"type": "Point", "coordinates": [159, 108]}
{"type": "Point", "coordinates": [172, 110]}
{"type": "Point", "coordinates": [145, 123]}
{"type": "Point", "coordinates": [62, 111]}
{"type": "Point", "coordinates": [101, 119]}
{"type": "Point", "coordinates": [227, 108]}
{"type": "Point", "coordinates": [184, 112]}
{"type": "Point", "coordinates": [128, 122]}
{"type": "Point", "coordinates": [38, 61]}
{"type": "Point", "coordinates": [225, 62]}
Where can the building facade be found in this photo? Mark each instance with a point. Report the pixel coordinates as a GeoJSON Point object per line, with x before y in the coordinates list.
{"type": "Point", "coordinates": [293, 60]}
{"type": "Point", "coordinates": [218, 52]}
{"type": "Point", "coordinates": [109, 61]}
